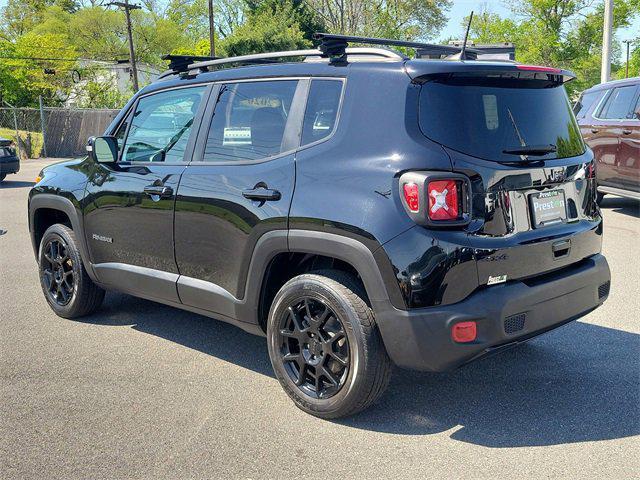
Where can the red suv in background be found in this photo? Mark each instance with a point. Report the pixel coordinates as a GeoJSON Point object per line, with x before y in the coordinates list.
{"type": "Point", "coordinates": [609, 119]}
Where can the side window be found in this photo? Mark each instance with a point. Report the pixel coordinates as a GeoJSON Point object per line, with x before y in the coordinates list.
{"type": "Point", "coordinates": [584, 103]}
{"type": "Point", "coordinates": [161, 125]}
{"type": "Point", "coordinates": [618, 104]}
{"type": "Point", "coordinates": [322, 110]}
{"type": "Point", "coordinates": [249, 121]}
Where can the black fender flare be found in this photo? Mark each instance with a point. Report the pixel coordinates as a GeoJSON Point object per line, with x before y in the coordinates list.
{"type": "Point", "coordinates": [347, 249]}
{"type": "Point", "coordinates": [66, 206]}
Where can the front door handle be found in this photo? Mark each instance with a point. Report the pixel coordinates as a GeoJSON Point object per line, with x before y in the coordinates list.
{"type": "Point", "coordinates": [159, 190]}
{"type": "Point", "coordinates": [626, 131]}
{"type": "Point", "coordinates": [595, 130]}
{"type": "Point", "coordinates": [261, 194]}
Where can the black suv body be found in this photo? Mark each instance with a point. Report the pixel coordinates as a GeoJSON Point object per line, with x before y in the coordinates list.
{"type": "Point", "coordinates": [9, 161]}
{"type": "Point", "coordinates": [290, 188]}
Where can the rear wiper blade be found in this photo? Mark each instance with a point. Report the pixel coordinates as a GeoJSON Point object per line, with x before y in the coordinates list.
{"type": "Point", "coordinates": [531, 150]}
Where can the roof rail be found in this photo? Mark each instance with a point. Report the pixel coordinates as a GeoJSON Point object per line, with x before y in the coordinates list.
{"type": "Point", "coordinates": [189, 65]}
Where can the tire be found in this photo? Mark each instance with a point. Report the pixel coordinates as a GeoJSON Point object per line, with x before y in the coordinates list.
{"type": "Point", "coordinates": [64, 280]}
{"type": "Point", "coordinates": [347, 334]}
{"type": "Point", "coordinates": [2, 176]}
{"type": "Point", "coordinates": [599, 197]}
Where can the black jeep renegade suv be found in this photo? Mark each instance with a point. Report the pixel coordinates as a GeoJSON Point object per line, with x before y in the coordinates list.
{"type": "Point", "coordinates": [359, 210]}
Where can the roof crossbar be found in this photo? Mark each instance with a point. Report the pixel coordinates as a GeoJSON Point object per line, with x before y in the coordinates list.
{"type": "Point", "coordinates": [334, 46]}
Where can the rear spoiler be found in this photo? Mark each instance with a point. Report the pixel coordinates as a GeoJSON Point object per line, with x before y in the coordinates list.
{"type": "Point", "coordinates": [423, 70]}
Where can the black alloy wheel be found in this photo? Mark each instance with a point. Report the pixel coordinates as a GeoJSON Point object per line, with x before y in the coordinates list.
{"type": "Point", "coordinates": [57, 272]}
{"type": "Point", "coordinates": [314, 348]}
{"type": "Point", "coordinates": [69, 290]}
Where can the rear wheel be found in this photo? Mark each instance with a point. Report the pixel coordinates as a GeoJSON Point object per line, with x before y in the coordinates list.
{"type": "Point", "coordinates": [64, 280]}
{"type": "Point", "coordinates": [324, 345]}
{"type": "Point", "coordinates": [2, 176]}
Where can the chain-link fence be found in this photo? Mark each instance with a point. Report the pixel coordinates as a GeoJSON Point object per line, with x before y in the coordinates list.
{"type": "Point", "coordinates": [52, 132]}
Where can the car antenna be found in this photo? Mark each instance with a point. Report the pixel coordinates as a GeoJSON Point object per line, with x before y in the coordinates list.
{"type": "Point", "coordinates": [462, 55]}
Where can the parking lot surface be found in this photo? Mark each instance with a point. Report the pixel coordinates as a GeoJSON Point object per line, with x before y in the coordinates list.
{"type": "Point", "coordinates": [141, 390]}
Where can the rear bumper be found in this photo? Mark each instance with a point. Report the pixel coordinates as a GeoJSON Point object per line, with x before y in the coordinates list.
{"type": "Point", "coordinates": [506, 315]}
{"type": "Point", "coordinates": [9, 165]}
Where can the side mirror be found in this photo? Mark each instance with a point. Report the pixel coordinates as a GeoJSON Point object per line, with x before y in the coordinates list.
{"type": "Point", "coordinates": [103, 149]}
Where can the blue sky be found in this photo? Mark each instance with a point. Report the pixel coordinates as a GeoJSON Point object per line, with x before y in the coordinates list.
{"type": "Point", "coordinates": [461, 8]}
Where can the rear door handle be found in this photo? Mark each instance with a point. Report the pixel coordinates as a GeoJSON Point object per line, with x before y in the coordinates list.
{"type": "Point", "coordinates": [159, 190]}
{"type": "Point", "coordinates": [626, 131]}
{"type": "Point", "coordinates": [261, 194]}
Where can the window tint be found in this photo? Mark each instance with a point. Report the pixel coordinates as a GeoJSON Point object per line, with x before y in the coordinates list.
{"type": "Point", "coordinates": [487, 117]}
{"type": "Point", "coordinates": [585, 102]}
{"type": "Point", "coordinates": [618, 104]}
{"type": "Point", "coordinates": [322, 110]}
{"type": "Point", "coordinates": [161, 125]}
{"type": "Point", "coordinates": [249, 121]}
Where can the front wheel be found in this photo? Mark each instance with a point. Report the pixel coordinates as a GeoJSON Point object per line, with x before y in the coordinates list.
{"type": "Point", "coordinates": [324, 345]}
{"type": "Point", "coordinates": [64, 280]}
{"type": "Point", "coordinates": [2, 176]}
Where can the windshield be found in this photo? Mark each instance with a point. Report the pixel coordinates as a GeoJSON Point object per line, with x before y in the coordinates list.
{"type": "Point", "coordinates": [500, 119]}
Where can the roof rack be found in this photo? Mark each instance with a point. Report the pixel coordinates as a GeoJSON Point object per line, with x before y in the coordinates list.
{"type": "Point", "coordinates": [184, 63]}
{"type": "Point", "coordinates": [334, 46]}
{"type": "Point", "coordinates": [179, 63]}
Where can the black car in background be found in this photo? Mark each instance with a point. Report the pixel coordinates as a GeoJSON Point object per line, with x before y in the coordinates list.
{"type": "Point", "coordinates": [9, 161]}
{"type": "Point", "coordinates": [355, 206]}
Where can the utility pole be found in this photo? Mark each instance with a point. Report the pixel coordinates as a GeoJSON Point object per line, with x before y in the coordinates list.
{"type": "Point", "coordinates": [212, 40]}
{"type": "Point", "coordinates": [626, 69]}
{"type": "Point", "coordinates": [132, 56]}
{"type": "Point", "coordinates": [605, 70]}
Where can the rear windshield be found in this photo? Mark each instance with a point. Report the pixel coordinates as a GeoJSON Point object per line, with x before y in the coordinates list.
{"type": "Point", "coordinates": [483, 117]}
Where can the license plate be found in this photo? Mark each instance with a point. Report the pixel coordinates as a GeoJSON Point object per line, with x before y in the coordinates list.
{"type": "Point", "coordinates": [548, 208]}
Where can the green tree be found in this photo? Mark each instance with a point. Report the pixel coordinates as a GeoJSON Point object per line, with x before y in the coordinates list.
{"type": "Point", "coordinates": [26, 73]}
{"type": "Point", "coordinates": [266, 30]}
{"type": "Point", "coordinates": [560, 33]}
{"type": "Point", "coordinates": [406, 19]}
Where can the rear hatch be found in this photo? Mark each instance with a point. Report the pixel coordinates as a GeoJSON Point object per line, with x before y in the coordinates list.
{"type": "Point", "coordinates": [511, 130]}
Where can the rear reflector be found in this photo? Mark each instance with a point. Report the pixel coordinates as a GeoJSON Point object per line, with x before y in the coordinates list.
{"type": "Point", "coordinates": [443, 199]}
{"type": "Point", "coordinates": [412, 196]}
{"type": "Point", "coordinates": [464, 332]}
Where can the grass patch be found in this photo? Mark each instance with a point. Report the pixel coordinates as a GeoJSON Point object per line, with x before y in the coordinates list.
{"type": "Point", "coordinates": [37, 141]}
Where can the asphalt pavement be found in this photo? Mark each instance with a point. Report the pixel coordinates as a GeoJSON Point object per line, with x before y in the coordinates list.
{"type": "Point", "coordinates": [141, 390]}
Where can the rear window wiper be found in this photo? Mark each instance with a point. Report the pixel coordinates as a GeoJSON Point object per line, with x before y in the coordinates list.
{"type": "Point", "coordinates": [535, 150]}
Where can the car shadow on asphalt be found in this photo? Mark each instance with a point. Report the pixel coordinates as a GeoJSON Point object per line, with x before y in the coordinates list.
{"type": "Point", "coordinates": [578, 383]}
{"type": "Point", "coordinates": [15, 184]}
{"type": "Point", "coordinates": [627, 206]}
